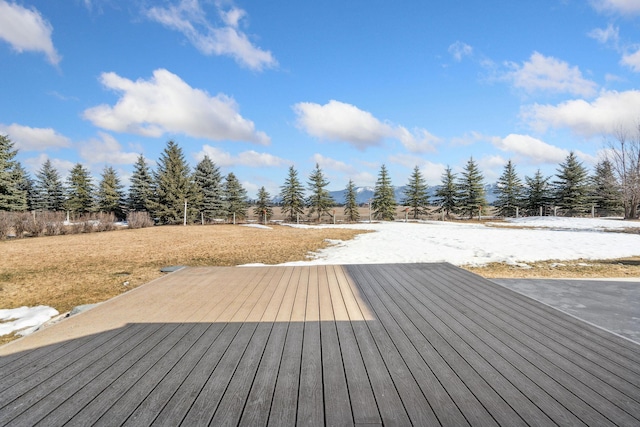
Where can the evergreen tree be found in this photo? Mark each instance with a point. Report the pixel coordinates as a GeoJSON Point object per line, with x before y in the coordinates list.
{"type": "Point", "coordinates": [571, 188]}
{"type": "Point", "coordinates": [350, 204]}
{"type": "Point", "coordinates": [49, 189]}
{"type": "Point", "coordinates": [536, 193]}
{"type": "Point", "coordinates": [415, 193]}
{"type": "Point", "coordinates": [320, 201]}
{"type": "Point", "coordinates": [510, 192]}
{"type": "Point", "coordinates": [292, 195]}
{"type": "Point", "coordinates": [447, 194]}
{"type": "Point", "coordinates": [12, 196]}
{"type": "Point", "coordinates": [27, 184]}
{"type": "Point", "coordinates": [111, 197]}
{"type": "Point", "coordinates": [471, 189]}
{"type": "Point", "coordinates": [174, 186]}
{"type": "Point", "coordinates": [263, 205]}
{"type": "Point", "coordinates": [607, 192]}
{"type": "Point", "coordinates": [236, 197]}
{"type": "Point", "coordinates": [141, 191]}
{"type": "Point", "coordinates": [209, 181]}
{"type": "Point", "coordinates": [79, 190]}
{"type": "Point", "coordinates": [384, 200]}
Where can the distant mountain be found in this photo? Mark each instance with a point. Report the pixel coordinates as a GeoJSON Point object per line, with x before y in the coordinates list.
{"type": "Point", "coordinates": [364, 194]}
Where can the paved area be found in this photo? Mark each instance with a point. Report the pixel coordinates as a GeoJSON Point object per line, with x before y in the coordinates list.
{"type": "Point", "coordinates": [395, 344]}
{"type": "Point", "coordinates": [610, 304]}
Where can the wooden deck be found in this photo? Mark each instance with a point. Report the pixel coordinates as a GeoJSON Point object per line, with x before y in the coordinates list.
{"type": "Point", "coordinates": [416, 344]}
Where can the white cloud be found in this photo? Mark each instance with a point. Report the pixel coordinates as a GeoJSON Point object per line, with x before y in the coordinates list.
{"type": "Point", "coordinates": [332, 164]}
{"type": "Point", "coordinates": [339, 121]}
{"type": "Point", "coordinates": [190, 19]}
{"type": "Point", "coordinates": [608, 35]}
{"type": "Point", "coordinates": [431, 172]}
{"type": "Point", "coordinates": [472, 137]}
{"type": "Point", "coordinates": [246, 158]}
{"type": "Point", "coordinates": [547, 74]}
{"type": "Point", "coordinates": [531, 149]}
{"type": "Point", "coordinates": [604, 115]}
{"type": "Point", "coordinates": [619, 6]}
{"type": "Point", "coordinates": [63, 167]}
{"type": "Point", "coordinates": [459, 49]}
{"type": "Point", "coordinates": [420, 141]}
{"type": "Point", "coordinates": [106, 149]}
{"type": "Point", "coordinates": [166, 104]}
{"type": "Point", "coordinates": [26, 30]}
{"type": "Point", "coordinates": [491, 167]}
{"type": "Point", "coordinates": [632, 60]}
{"type": "Point", "coordinates": [34, 139]}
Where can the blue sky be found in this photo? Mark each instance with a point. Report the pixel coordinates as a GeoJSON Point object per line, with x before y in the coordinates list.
{"type": "Point", "coordinates": [260, 86]}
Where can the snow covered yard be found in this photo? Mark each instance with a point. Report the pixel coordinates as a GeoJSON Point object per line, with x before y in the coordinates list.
{"type": "Point", "coordinates": [460, 243]}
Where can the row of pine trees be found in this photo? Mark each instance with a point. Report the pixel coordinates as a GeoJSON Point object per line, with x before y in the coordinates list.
{"type": "Point", "coordinates": [210, 196]}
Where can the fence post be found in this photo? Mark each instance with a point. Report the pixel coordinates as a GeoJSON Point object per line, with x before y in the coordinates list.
{"type": "Point", "coordinates": [184, 220]}
{"type": "Point", "coordinates": [234, 218]}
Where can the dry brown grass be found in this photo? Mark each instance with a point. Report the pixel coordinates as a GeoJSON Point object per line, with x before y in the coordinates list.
{"type": "Point", "coordinates": [66, 271]}
{"type": "Point", "coordinates": [626, 267]}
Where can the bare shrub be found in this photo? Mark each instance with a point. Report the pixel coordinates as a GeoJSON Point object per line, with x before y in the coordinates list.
{"type": "Point", "coordinates": [53, 222]}
{"type": "Point", "coordinates": [139, 220]}
{"type": "Point", "coordinates": [21, 223]}
{"type": "Point", "coordinates": [105, 222]}
{"type": "Point", "coordinates": [5, 224]}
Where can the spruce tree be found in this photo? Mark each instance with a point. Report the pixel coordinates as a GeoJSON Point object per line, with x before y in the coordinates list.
{"type": "Point", "coordinates": [263, 207]}
{"type": "Point", "coordinates": [174, 186]}
{"type": "Point", "coordinates": [12, 196]}
{"type": "Point", "coordinates": [111, 197]}
{"type": "Point", "coordinates": [384, 200]}
{"type": "Point", "coordinates": [27, 184]}
{"type": "Point", "coordinates": [471, 189]}
{"type": "Point", "coordinates": [79, 191]}
{"type": "Point", "coordinates": [209, 182]}
{"type": "Point", "coordinates": [141, 191]}
{"type": "Point", "coordinates": [447, 194]}
{"type": "Point", "coordinates": [49, 189]}
{"type": "Point", "coordinates": [236, 197]}
{"type": "Point", "coordinates": [292, 195]}
{"type": "Point", "coordinates": [607, 192]}
{"type": "Point", "coordinates": [536, 193]}
{"type": "Point", "coordinates": [415, 194]}
{"type": "Point", "coordinates": [510, 192]}
{"type": "Point", "coordinates": [320, 201]}
{"type": "Point", "coordinates": [350, 204]}
{"type": "Point", "coordinates": [571, 188]}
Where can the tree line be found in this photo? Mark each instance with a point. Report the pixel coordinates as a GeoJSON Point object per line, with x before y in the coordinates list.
{"type": "Point", "coordinates": [173, 192]}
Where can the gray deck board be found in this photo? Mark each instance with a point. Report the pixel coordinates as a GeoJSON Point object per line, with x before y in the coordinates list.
{"type": "Point", "coordinates": [414, 344]}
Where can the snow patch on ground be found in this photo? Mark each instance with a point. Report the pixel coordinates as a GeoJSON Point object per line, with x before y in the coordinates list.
{"type": "Point", "coordinates": [24, 320]}
{"type": "Point", "coordinates": [264, 227]}
{"type": "Point", "coordinates": [554, 222]}
{"type": "Point", "coordinates": [463, 243]}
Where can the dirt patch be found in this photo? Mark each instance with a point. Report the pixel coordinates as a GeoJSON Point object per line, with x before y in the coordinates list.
{"type": "Point", "coordinates": [626, 267]}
